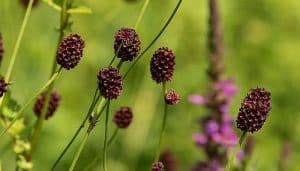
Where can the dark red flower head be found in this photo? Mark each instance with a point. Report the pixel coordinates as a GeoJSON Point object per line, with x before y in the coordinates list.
{"type": "Point", "coordinates": [172, 97]}
{"type": "Point", "coordinates": [254, 110]}
{"type": "Point", "coordinates": [25, 2]}
{"type": "Point", "coordinates": [110, 82]}
{"type": "Point", "coordinates": [158, 166]}
{"type": "Point", "coordinates": [3, 86]}
{"type": "Point", "coordinates": [127, 44]}
{"type": "Point", "coordinates": [162, 65]}
{"type": "Point", "coordinates": [1, 48]}
{"type": "Point", "coordinates": [70, 51]}
{"type": "Point", "coordinates": [52, 106]}
{"type": "Point", "coordinates": [123, 117]}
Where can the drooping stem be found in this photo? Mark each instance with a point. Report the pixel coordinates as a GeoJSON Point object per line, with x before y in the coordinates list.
{"type": "Point", "coordinates": [155, 39]}
{"type": "Point", "coordinates": [164, 124]}
{"type": "Point", "coordinates": [20, 112]}
{"type": "Point", "coordinates": [79, 152]}
{"type": "Point", "coordinates": [64, 19]}
{"type": "Point", "coordinates": [91, 108]}
{"type": "Point", "coordinates": [236, 150]}
{"type": "Point", "coordinates": [105, 137]}
{"type": "Point", "coordinates": [17, 45]}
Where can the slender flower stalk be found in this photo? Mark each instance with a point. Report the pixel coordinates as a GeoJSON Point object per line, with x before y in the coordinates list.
{"type": "Point", "coordinates": [126, 74]}
{"type": "Point", "coordinates": [77, 155]}
{"type": "Point", "coordinates": [164, 124]}
{"type": "Point", "coordinates": [113, 136]}
{"type": "Point", "coordinates": [105, 137]}
{"type": "Point", "coordinates": [17, 45]}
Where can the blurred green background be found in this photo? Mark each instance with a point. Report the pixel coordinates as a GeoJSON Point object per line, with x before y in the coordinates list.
{"type": "Point", "coordinates": [262, 49]}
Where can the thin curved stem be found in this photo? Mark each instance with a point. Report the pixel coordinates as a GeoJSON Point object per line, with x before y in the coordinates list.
{"type": "Point", "coordinates": [79, 152]}
{"type": "Point", "coordinates": [17, 45]}
{"type": "Point", "coordinates": [155, 39]}
{"type": "Point", "coordinates": [20, 112]}
{"type": "Point", "coordinates": [164, 124]}
{"type": "Point", "coordinates": [91, 108]}
{"type": "Point", "coordinates": [105, 138]}
{"type": "Point", "coordinates": [141, 15]}
{"type": "Point", "coordinates": [112, 138]}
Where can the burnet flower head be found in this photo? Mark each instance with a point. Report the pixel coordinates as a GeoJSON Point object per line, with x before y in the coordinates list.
{"type": "Point", "coordinates": [70, 51]}
{"type": "Point", "coordinates": [52, 106]}
{"type": "Point", "coordinates": [127, 44]}
{"type": "Point", "coordinates": [172, 97]}
{"type": "Point", "coordinates": [162, 65]}
{"type": "Point", "coordinates": [110, 82]}
{"type": "Point", "coordinates": [254, 110]}
{"type": "Point", "coordinates": [158, 166]}
{"type": "Point", "coordinates": [123, 117]}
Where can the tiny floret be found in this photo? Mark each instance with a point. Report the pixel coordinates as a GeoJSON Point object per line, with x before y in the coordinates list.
{"type": "Point", "coordinates": [172, 97]}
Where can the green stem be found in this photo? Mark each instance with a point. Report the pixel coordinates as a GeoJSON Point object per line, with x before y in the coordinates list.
{"type": "Point", "coordinates": [155, 39]}
{"type": "Point", "coordinates": [141, 15]}
{"type": "Point", "coordinates": [20, 112]}
{"type": "Point", "coordinates": [235, 151]}
{"type": "Point", "coordinates": [112, 138]}
{"type": "Point", "coordinates": [17, 45]}
{"type": "Point", "coordinates": [79, 152]}
{"type": "Point", "coordinates": [164, 124]}
{"type": "Point", "coordinates": [105, 137]}
{"type": "Point", "coordinates": [91, 108]}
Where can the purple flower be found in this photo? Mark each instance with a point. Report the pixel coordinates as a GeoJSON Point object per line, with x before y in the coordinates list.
{"type": "Point", "coordinates": [196, 99]}
{"type": "Point", "coordinates": [211, 127]}
{"type": "Point", "coordinates": [240, 155]}
{"type": "Point", "coordinates": [200, 139]}
{"type": "Point", "coordinates": [217, 138]}
{"type": "Point", "coordinates": [228, 88]}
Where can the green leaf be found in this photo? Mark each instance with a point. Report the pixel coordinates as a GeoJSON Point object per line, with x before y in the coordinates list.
{"type": "Point", "coordinates": [80, 10]}
{"type": "Point", "coordinates": [53, 5]}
